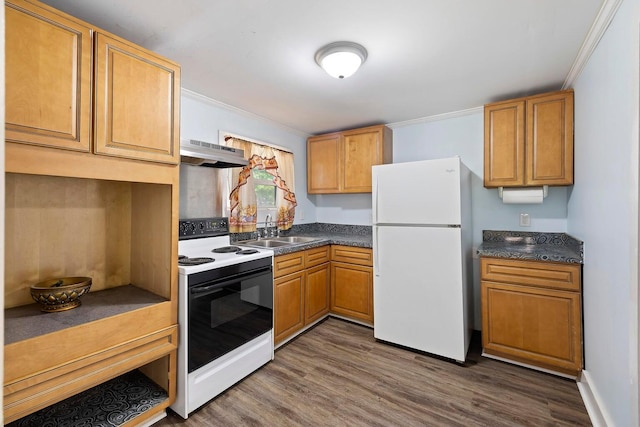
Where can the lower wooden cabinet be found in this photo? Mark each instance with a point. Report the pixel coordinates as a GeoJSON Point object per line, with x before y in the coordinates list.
{"type": "Point", "coordinates": [288, 304]}
{"type": "Point", "coordinates": [352, 283]}
{"type": "Point", "coordinates": [317, 293]}
{"type": "Point", "coordinates": [307, 287]}
{"type": "Point", "coordinates": [532, 313]}
{"type": "Point", "coordinates": [301, 294]}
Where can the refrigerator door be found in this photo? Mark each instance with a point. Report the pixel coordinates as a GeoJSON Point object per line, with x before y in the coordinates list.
{"type": "Point", "coordinates": [424, 192]}
{"type": "Point", "coordinates": [419, 293]}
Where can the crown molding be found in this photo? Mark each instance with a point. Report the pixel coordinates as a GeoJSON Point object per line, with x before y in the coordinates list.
{"type": "Point", "coordinates": [215, 103]}
{"type": "Point", "coordinates": [598, 28]}
{"type": "Point", "coordinates": [437, 117]}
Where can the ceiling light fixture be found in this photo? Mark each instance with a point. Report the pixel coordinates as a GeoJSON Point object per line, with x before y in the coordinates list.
{"type": "Point", "coordinates": [341, 59]}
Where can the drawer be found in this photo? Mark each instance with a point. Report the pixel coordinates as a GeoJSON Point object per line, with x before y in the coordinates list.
{"type": "Point", "coordinates": [287, 264]}
{"type": "Point", "coordinates": [317, 256]}
{"type": "Point", "coordinates": [532, 273]}
{"type": "Point", "coordinates": [352, 255]}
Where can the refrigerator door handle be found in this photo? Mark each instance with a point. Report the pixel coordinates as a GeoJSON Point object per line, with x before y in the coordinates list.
{"type": "Point", "coordinates": [376, 264]}
{"type": "Point", "coordinates": [374, 214]}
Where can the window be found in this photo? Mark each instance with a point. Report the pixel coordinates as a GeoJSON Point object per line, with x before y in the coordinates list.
{"type": "Point", "coordinates": [265, 194]}
{"type": "Point", "coordinates": [270, 189]}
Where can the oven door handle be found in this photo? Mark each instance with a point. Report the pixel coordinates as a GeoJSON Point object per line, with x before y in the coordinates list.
{"type": "Point", "coordinates": [218, 285]}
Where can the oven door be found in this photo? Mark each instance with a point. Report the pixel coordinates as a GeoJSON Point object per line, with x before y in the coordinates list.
{"type": "Point", "coordinates": [228, 307]}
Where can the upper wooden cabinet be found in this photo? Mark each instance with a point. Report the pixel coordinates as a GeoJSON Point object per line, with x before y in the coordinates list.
{"type": "Point", "coordinates": [136, 102]}
{"type": "Point", "coordinates": [50, 88]}
{"type": "Point", "coordinates": [323, 164]}
{"type": "Point", "coordinates": [341, 162]}
{"type": "Point", "coordinates": [48, 78]}
{"type": "Point", "coordinates": [529, 141]}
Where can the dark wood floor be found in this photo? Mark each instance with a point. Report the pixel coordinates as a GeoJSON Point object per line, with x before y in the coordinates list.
{"type": "Point", "coordinates": [337, 374]}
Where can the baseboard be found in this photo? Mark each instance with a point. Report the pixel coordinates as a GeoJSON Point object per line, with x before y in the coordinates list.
{"type": "Point", "coordinates": [526, 365]}
{"type": "Point", "coordinates": [591, 401]}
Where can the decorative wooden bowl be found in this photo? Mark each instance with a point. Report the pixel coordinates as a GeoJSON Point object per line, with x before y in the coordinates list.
{"type": "Point", "coordinates": [60, 294]}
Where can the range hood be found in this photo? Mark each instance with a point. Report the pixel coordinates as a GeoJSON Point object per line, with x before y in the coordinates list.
{"type": "Point", "coordinates": [200, 153]}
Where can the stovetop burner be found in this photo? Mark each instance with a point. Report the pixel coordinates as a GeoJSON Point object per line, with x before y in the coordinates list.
{"type": "Point", "coordinates": [184, 261]}
{"type": "Point", "coordinates": [247, 252]}
{"type": "Point", "coordinates": [226, 249]}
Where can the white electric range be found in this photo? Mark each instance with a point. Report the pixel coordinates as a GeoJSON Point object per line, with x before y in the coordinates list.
{"type": "Point", "coordinates": [225, 311]}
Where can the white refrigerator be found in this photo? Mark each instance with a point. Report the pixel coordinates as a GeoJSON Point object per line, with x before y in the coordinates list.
{"type": "Point", "coordinates": [422, 285]}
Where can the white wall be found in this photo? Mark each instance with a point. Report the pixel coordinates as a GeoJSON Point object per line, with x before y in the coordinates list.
{"type": "Point", "coordinates": [202, 118]}
{"type": "Point", "coordinates": [451, 135]}
{"type": "Point", "coordinates": [464, 136]}
{"type": "Point", "coordinates": [461, 135]}
{"type": "Point", "coordinates": [603, 211]}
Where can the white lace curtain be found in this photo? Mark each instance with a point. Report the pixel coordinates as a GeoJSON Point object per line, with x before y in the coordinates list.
{"type": "Point", "coordinates": [243, 209]}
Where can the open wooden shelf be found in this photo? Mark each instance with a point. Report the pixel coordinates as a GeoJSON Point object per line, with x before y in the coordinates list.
{"type": "Point", "coordinates": [27, 321]}
{"type": "Point", "coordinates": [121, 401]}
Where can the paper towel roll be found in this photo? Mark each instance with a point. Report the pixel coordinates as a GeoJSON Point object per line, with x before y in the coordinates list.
{"type": "Point", "coordinates": [530, 195]}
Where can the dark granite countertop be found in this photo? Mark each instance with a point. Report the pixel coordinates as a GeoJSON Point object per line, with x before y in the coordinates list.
{"type": "Point", "coordinates": [554, 247]}
{"type": "Point", "coordinates": [326, 234]}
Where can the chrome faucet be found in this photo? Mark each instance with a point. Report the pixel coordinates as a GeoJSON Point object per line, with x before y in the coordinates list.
{"type": "Point", "coordinates": [270, 227]}
{"type": "Point", "coordinates": [267, 220]}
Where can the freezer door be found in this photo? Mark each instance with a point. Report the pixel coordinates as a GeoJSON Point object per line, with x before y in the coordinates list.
{"type": "Point", "coordinates": [424, 192]}
{"type": "Point", "coordinates": [419, 293]}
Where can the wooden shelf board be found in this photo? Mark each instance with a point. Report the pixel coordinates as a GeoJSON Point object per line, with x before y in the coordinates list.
{"type": "Point", "coordinates": [27, 321]}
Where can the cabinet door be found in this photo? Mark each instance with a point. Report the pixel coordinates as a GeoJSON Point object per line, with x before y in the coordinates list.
{"type": "Point", "coordinates": [504, 149]}
{"type": "Point", "coordinates": [323, 164]}
{"type": "Point", "coordinates": [541, 327]}
{"type": "Point", "coordinates": [137, 103]}
{"type": "Point", "coordinates": [352, 291]}
{"type": "Point", "coordinates": [48, 78]}
{"type": "Point", "coordinates": [288, 305]}
{"type": "Point", "coordinates": [361, 150]}
{"type": "Point", "coordinates": [317, 292]}
{"type": "Point", "coordinates": [550, 139]}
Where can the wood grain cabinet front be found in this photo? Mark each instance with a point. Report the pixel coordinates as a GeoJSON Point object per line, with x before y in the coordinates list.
{"type": "Point", "coordinates": [288, 304]}
{"type": "Point", "coordinates": [352, 283]}
{"type": "Point", "coordinates": [301, 291]}
{"type": "Point", "coordinates": [130, 109]}
{"type": "Point", "coordinates": [531, 313]}
{"type": "Point", "coordinates": [96, 198]}
{"type": "Point", "coordinates": [47, 77]}
{"type": "Point", "coordinates": [529, 141]}
{"type": "Point", "coordinates": [137, 100]}
{"type": "Point", "coordinates": [341, 162]}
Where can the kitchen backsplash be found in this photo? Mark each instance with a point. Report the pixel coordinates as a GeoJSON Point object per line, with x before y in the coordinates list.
{"type": "Point", "coordinates": [317, 227]}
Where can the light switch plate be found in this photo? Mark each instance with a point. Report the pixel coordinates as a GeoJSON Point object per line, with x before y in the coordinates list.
{"type": "Point", "coordinates": [525, 220]}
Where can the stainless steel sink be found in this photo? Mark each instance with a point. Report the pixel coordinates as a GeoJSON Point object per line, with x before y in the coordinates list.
{"type": "Point", "coordinates": [276, 242]}
{"type": "Point", "coordinates": [266, 243]}
{"type": "Point", "coordinates": [294, 239]}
